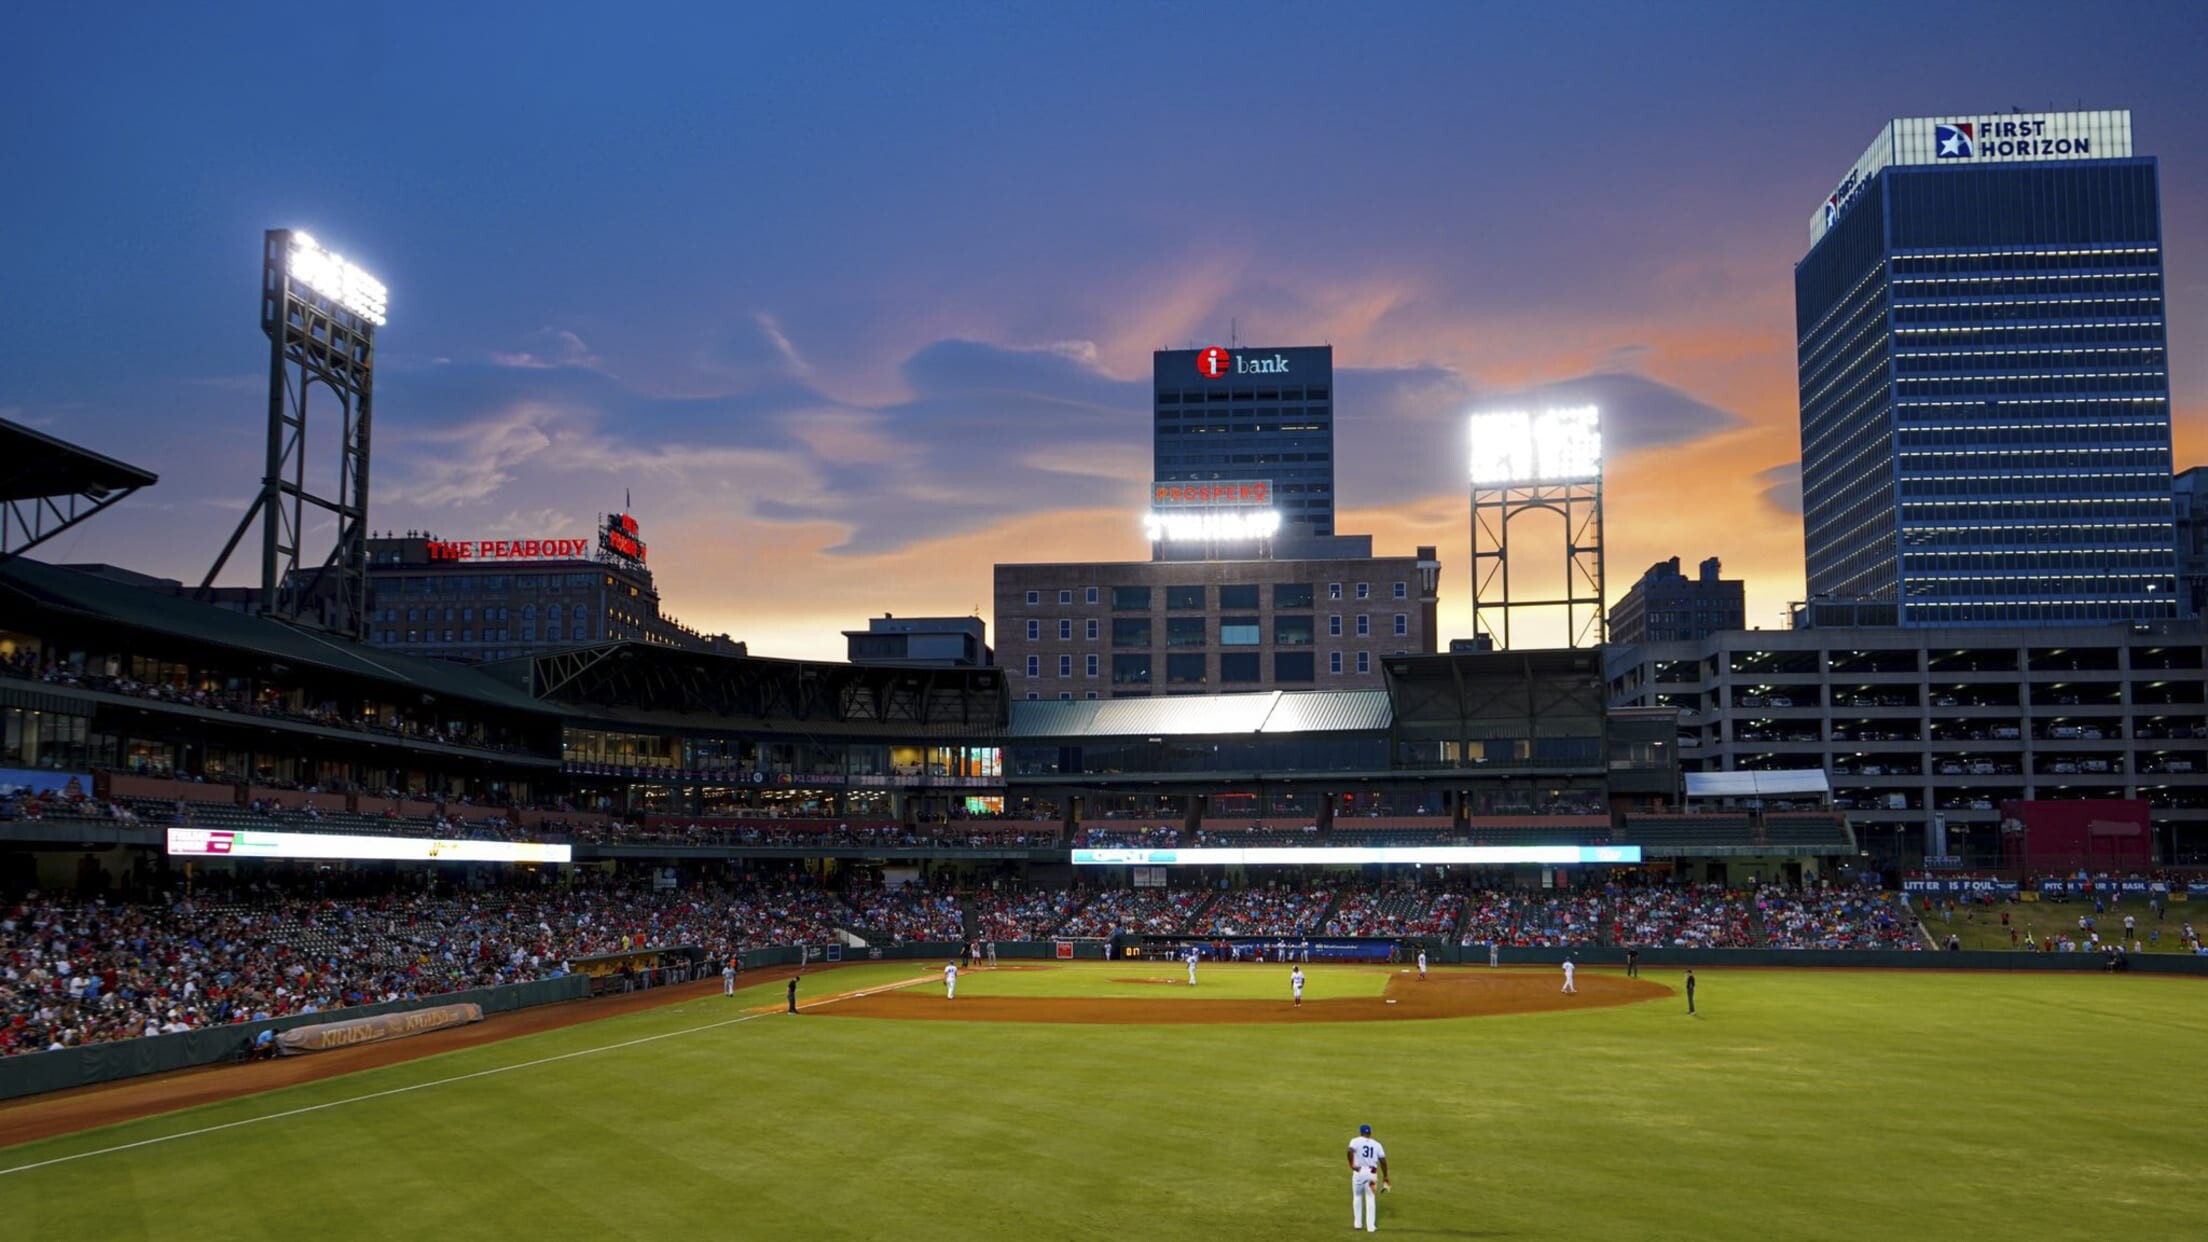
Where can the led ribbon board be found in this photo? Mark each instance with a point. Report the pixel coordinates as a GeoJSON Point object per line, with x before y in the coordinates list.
{"type": "Point", "coordinates": [1350, 855]}
{"type": "Point", "coordinates": [223, 843]}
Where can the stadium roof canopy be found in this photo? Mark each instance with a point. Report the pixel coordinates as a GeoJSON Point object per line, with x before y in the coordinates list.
{"type": "Point", "coordinates": [49, 485]}
{"type": "Point", "coordinates": [1211, 715]}
{"type": "Point", "coordinates": [28, 586]}
{"type": "Point", "coordinates": [648, 685]}
{"type": "Point", "coordinates": [1757, 784]}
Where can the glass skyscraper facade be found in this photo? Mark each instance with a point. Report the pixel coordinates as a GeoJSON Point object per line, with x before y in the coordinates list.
{"type": "Point", "coordinates": [1250, 414]}
{"type": "Point", "coordinates": [1985, 393]}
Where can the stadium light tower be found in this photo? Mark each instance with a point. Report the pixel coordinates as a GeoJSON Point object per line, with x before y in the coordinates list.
{"type": "Point", "coordinates": [1538, 461]}
{"type": "Point", "coordinates": [321, 314]}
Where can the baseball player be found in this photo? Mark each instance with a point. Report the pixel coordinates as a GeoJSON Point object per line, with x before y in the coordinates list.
{"type": "Point", "coordinates": [992, 947]}
{"type": "Point", "coordinates": [1368, 1176]}
{"type": "Point", "coordinates": [1192, 965]}
{"type": "Point", "coordinates": [1569, 988]}
{"type": "Point", "coordinates": [1422, 965]}
{"type": "Point", "coordinates": [1295, 980]}
{"type": "Point", "coordinates": [728, 977]}
{"type": "Point", "coordinates": [950, 981]}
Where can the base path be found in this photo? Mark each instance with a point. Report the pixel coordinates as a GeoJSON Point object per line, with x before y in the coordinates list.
{"type": "Point", "coordinates": [82, 1108]}
{"type": "Point", "coordinates": [1448, 994]}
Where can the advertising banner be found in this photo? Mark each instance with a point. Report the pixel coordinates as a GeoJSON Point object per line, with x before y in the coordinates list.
{"type": "Point", "coordinates": [1960, 888]}
{"type": "Point", "coordinates": [226, 843]}
{"type": "Point", "coordinates": [1354, 855]}
{"type": "Point", "coordinates": [323, 1036]}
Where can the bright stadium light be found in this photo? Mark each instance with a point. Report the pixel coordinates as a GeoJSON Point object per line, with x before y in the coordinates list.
{"type": "Point", "coordinates": [1211, 525]}
{"type": "Point", "coordinates": [331, 276]}
{"type": "Point", "coordinates": [1553, 446]}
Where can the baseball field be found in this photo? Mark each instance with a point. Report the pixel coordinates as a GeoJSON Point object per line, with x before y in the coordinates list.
{"type": "Point", "coordinates": [1114, 1101]}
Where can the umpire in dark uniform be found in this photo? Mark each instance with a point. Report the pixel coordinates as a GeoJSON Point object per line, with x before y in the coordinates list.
{"type": "Point", "coordinates": [1690, 991]}
{"type": "Point", "coordinates": [1632, 962]}
{"type": "Point", "coordinates": [793, 993]}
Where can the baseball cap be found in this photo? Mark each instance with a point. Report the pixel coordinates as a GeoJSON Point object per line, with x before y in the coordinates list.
{"type": "Point", "coordinates": [1364, 1129]}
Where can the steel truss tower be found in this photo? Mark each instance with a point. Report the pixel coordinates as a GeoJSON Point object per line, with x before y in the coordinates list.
{"type": "Point", "coordinates": [1578, 505]}
{"type": "Point", "coordinates": [319, 337]}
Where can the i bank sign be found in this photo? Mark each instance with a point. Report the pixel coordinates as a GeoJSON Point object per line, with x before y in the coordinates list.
{"type": "Point", "coordinates": [1217, 363]}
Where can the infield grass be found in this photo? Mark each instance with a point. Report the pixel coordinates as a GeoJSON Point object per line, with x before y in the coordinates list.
{"type": "Point", "coordinates": [1802, 1104]}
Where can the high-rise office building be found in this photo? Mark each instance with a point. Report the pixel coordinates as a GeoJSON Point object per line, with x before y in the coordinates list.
{"type": "Point", "coordinates": [1250, 416]}
{"type": "Point", "coordinates": [1984, 377]}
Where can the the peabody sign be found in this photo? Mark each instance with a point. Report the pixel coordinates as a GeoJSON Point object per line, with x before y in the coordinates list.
{"type": "Point", "coordinates": [508, 549]}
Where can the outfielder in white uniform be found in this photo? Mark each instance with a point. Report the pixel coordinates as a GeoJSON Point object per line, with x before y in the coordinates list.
{"type": "Point", "coordinates": [1192, 968]}
{"type": "Point", "coordinates": [1368, 1176]}
{"type": "Point", "coordinates": [1295, 980]}
{"type": "Point", "coordinates": [728, 978]}
{"type": "Point", "coordinates": [1568, 986]}
{"type": "Point", "coordinates": [950, 981]}
{"type": "Point", "coordinates": [1422, 963]}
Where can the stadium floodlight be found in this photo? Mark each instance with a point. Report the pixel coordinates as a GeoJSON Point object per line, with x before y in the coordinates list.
{"type": "Point", "coordinates": [1211, 525]}
{"type": "Point", "coordinates": [1554, 446]}
{"type": "Point", "coordinates": [329, 274]}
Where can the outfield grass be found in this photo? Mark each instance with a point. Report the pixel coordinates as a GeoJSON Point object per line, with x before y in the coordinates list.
{"type": "Point", "coordinates": [1809, 1104]}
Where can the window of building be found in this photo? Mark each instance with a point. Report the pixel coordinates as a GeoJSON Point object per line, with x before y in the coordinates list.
{"type": "Point", "coordinates": [1092, 629]}
{"type": "Point", "coordinates": [1364, 625]}
{"type": "Point", "coordinates": [1294, 666]}
{"type": "Point", "coordinates": [1131, 599]}
{"type": "Point", "coordinates": [1092, 599]}
{"type": "Point", "coordinates": [552, 632]}
{"type": "Point", "coordinates": [1240, 632]}
{"type": "Point", "coordinates": [1130, 631]}
{"type": "Point", "coordinates": [1293, 631]}
{"type": "Point", "coordinates": [1065, 666]}
{"type": "Point", "coordinates": [1065, 629]}
{"type": "Point", "coordinates": [1243, 596]}
{"type": "Point", "coordinates": [1402, 590]}
{"type": "Point", "coordinates": [1187, 669]}
{"type": "Point", "coordinates": [1364, 590]}
{"type": "Point", "coordinates": [1065, 596]}
{"type": "Point", "coordinates": [1184, 598]}
{"type": "Point", "coordinates": [1237, 666]}
{"type": "Point", "coordinates": [1131, 670]}
{"type": "Point", "coordinates": [1184, 632]}
{"type": "Point", "coordinates": [1334, 626]}
{"type": "Point", "coordinates": [1034, 630]}
{"type": "Point", "coordinates": [1364, 661]}
{"type": "Point", "coordinates": [1065, 694]}
{"type": "Point", "coordinates": [413, 614]}
{"type": "Point", "coordinates": [1333, 661]}
{"type": "Point", "coordinates": [579, 613]}
{"type": "Point", "coordinates": [528, 632]}
{"type": "Point", "coordinates": [1402, 624]}
{"type": "Point", "coordinates": [467, 614]}
{"type": "Point", "coordinates": [1333, 590]}
{"type": "Point", "coordinates": [1091, 667]}
{"type": "Point", "coordinates": [1034, 597]}
{"type": "Point", "coordinates": [1090, 695]}
{"type": "Point", "coordinates": [1292, 595]}
{"type": "Point", "coordinates": [1032, 696]}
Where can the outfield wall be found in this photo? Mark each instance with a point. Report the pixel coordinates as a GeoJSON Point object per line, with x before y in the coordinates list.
{"type": "Point", "coordinates": [1887, 959]}
{"type": "Point", "coordinates": [37, 1072]}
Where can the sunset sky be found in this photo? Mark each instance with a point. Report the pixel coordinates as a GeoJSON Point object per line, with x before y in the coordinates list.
{"type": "Point", "coordinates": [859, 300]}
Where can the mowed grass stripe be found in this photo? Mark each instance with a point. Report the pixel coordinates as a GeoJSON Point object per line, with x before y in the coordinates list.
{"type": "Point", "coordinates": [1803, 1104]}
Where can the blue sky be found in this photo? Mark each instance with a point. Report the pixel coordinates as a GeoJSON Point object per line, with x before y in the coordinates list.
{"type": "Point", "coordinates": [858, 300]}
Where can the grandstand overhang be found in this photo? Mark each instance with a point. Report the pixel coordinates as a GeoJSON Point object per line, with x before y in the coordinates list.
{"type": "Point", "coordinates": [48, 486]}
